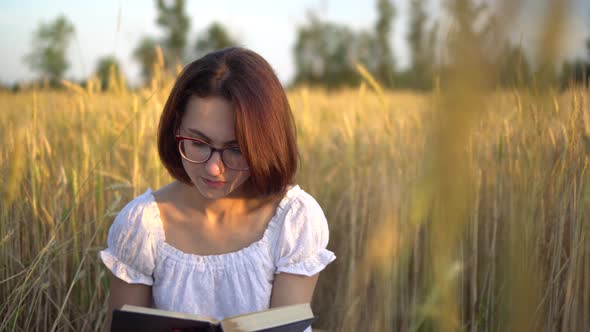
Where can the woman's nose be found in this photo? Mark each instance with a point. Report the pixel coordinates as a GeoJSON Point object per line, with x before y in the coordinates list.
{"type": "Point", "coordinates": [214, 165]}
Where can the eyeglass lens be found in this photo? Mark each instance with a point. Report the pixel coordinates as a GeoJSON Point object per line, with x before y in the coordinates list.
{"type": "Point", "coordinates": [200, 152]}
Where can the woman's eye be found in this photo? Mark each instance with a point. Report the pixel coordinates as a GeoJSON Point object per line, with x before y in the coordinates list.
{"type": "Point", "coordinates": [235, 150]}
{"type": "Point", "coordinates": [199, 145]}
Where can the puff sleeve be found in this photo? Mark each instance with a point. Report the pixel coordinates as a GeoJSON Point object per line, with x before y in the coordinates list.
{"type": "Point", "coordinates": [131, 241]}
{"type": "Point", "coordinates": [303, 237]}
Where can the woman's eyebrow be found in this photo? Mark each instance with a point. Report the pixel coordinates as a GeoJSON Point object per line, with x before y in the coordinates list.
{"type": "Point", "coordinates": [206, 138]}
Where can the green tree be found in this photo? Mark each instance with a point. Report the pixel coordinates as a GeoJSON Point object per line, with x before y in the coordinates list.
{"type": "Point", "coordinates": [472, 40]}
{"type": "Point", "coordinates": [145, 54]}
{"type": "Point", "coordinates": [577, 71]}
{"type": "Point", "coordinates": [514, 69]}
{"type": "Point", "coordinates": [383, 30]}
{"type": "Point", "coordinates": [173, 19]}
{"type": "Point", "coordinates": [50, 44]}
{"type": "Point", "coordinates": [421, 48]}
{"type": "Point", "coordinates": [574, 72]}
{"type": "Point", "coordinates": [325, 53]}
{"type": "Point", "coordinates": [108, 71]}
{"type": "Point", "coordinates": [215, 37]}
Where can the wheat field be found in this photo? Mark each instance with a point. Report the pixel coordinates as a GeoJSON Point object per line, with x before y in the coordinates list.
{"type": "Point", "coordinates": [449, 211]}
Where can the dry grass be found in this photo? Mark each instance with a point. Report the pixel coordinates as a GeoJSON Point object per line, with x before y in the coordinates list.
{"type": "Point", "coordinates": [460, 210]}
{"type": "Point", "coordinates": [443, 215]}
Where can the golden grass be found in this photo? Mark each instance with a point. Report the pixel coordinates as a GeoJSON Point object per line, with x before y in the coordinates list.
{"type": "Point", "coordinates": [447, 212]}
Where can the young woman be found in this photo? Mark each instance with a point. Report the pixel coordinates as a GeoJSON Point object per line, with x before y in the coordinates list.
{"type": "Point", "coordinates": [232, 234]}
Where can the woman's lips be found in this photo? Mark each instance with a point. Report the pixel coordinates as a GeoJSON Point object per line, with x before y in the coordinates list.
{"type": "Point", "coordinates": [213, 184]}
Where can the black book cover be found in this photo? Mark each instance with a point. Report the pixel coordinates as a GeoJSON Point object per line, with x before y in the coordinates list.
{"type": "Point", "coordinates": [129, 321]}
{"type": "Point", "coordinates": [132, 321]}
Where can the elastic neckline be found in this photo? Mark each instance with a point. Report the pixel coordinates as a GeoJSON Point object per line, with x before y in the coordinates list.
{"type": "Point", "coordinates": [265, 240]}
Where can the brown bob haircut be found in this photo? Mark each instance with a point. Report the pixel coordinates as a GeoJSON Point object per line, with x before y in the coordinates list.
{"type": "Point", "coordinates": [265, 130]}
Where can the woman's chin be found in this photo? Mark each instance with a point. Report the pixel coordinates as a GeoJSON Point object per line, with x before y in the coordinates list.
{"type": "Point", "coordinates": [217, 190]}
{"type": "Point", "coordinates": [209, 193]}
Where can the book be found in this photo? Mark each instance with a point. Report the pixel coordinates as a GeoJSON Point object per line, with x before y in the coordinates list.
{"type": "Point", "coordinates": [292, 318]}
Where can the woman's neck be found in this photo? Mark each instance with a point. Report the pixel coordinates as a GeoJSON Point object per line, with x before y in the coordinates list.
{"type": "Point", "coordinates": [225, 209]}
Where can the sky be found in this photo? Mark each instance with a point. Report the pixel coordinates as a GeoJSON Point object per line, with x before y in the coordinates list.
{"type": "Point", "coordinates": [114, 27]}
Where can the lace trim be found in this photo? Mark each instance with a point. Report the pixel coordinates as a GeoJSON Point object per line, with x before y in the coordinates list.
{"type": "Point", "coordinates": [222, 259]}
{"type": "Point", "coordinates": [124, 271]}
{"type": "Point", "coordinates": [311, 265]}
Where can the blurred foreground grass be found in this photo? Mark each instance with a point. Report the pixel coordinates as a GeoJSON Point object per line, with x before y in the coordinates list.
{"type": "Point", "coordinates": [443, 216]}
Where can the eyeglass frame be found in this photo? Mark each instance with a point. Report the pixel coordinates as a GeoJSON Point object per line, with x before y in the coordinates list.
{"type": "Point", "coordinates": [180, 138]}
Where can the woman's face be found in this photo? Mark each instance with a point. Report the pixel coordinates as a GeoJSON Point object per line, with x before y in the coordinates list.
{"type": "Point", "coordinates": [211, 119]}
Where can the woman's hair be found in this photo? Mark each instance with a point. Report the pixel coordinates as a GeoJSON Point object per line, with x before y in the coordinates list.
{"type": "Point", "coordinates": [265, 130]}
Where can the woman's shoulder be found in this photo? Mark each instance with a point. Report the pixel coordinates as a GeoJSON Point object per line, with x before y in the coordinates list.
{"type": "Point", "coordinates": [139, 214]}
{"type": "Point", "coordinates": [138, 203]}
{"type": "Point", "coordinates": [299, 212]}
{"type": "Point", "coordinates": [132, 241]}
{"type": "Point", "coordinates": [300, 203]}
{"type": "Point", "coordinates": [303, 237]}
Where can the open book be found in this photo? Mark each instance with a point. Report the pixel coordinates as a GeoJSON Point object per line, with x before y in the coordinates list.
{"type": "Point", "coordinates": [293, 318]}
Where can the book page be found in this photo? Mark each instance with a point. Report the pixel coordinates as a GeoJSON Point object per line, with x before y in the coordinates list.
{"type": "Point", "coordinates": [274, 317]}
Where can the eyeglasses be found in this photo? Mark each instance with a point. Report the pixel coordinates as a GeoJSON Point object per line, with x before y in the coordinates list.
{"type": "Point", "coordinates": [197, 151]}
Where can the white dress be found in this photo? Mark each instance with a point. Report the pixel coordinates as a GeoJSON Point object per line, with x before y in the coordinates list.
{"type": "Point", "coordinates": [224, 285]}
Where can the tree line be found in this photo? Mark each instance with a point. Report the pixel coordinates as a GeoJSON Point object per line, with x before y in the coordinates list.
{"type": "Point", "coordinates": [327, 53]}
